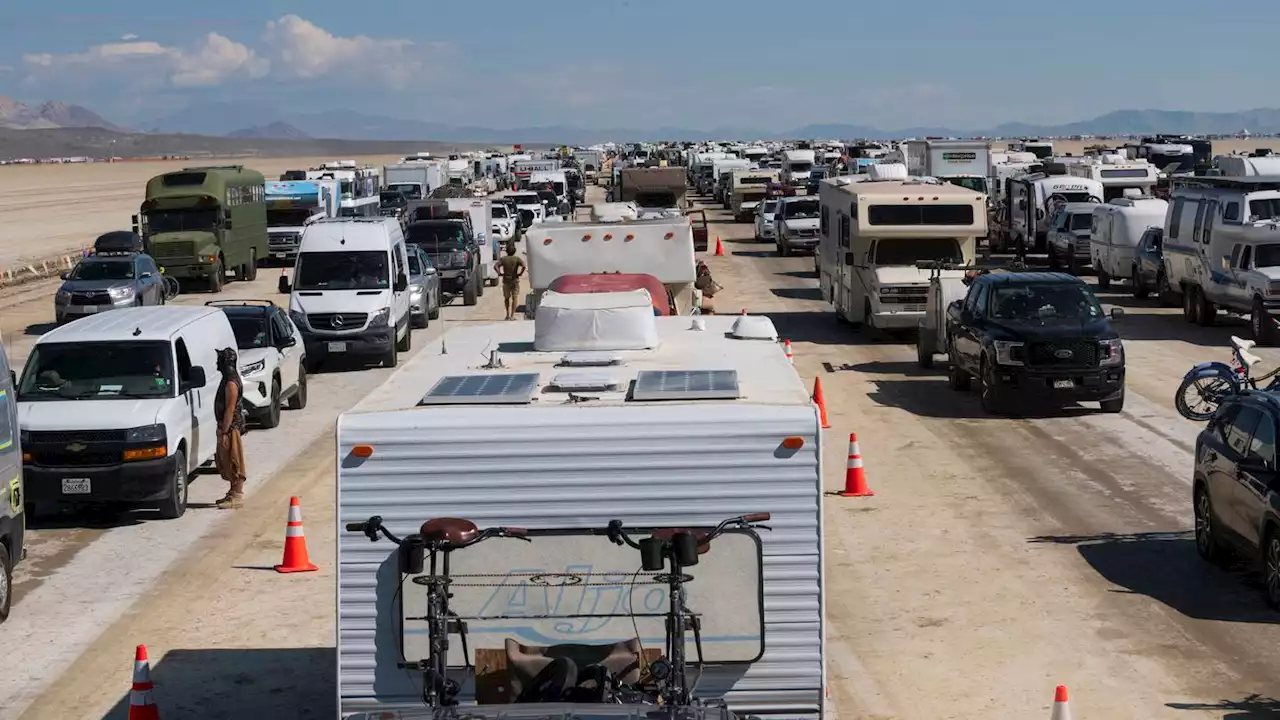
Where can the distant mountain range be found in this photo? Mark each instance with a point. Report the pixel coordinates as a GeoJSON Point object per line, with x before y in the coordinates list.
{"type": "Point", "coordinates": [256, 122]}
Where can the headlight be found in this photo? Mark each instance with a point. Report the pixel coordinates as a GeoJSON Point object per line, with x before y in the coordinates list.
{"type": "Point", "coordinates": [380, 318]}
{"type": "Point", "coordinates": [253, 368]}
{"type": "Point", "coordinates": [63, 296]}
{"type": "Point", "coordinates": [298, 318]}
{"type": "Point", "coordinates": [145, 434]}
{"type": "Point", "coordinates": [1008, 353]}
{"type": "Point", "coordinates": [121, 292]}
{"type": "Point", "coordinates": [1112, 352]}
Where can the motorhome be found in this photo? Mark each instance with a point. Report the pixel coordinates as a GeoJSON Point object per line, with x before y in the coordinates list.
{"type": "Point", "coordinates": [656, 191]}
{"type": "Point", "coordinates": [1042, 149]}
{"type": "Point", "coordinates": [747, 190]}
{"type": "Point", "coordinates": [359, 186]}
{"type": "Point", "coordinates": [709, 180]}
{"type": "Point", "coordinates": [872, 235]}
{"type": "Point", "coordinates": [1029, 199]}
{"type": "Point", "coordinates": [966, 163]}
{"type": "Point", "coordinates": [291, 206]}
{"type": "Point", "coordinates": [415, 179]}
{"type": "Point", "coordinates": [1222, 248]}
{"type": "Point", "coordinates": [663, 248]}
{"type": "Point", "coordinates": [796, 165]}
{"type": "Point", "coordinates": [583, 445]}
{"type": "Point", "coordinates": [755, 153]}
{"type": "Point", "coordinates": [1119, 176]}
{"type": "Point", "coordinates": [701, 170]}
{"type": "Point", "coordinates": [1116, 230]}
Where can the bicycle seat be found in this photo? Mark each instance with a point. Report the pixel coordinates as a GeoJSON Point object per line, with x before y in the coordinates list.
{"type": "Point", "coordinates": [1242, 348]}
{"type": "Point", "coordinates": [701, 535]}
{"type": "Point", "coordinates": [450, 531]}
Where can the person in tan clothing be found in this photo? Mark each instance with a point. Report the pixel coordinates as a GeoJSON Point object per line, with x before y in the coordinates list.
{"type": "Point", "coordinates": [511, 268]}
{"type": "Point", "coordinates": [230, 414]}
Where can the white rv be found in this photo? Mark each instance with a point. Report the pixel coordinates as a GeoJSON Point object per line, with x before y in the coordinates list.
{"type": "Point", "coordinates": [1222, 248]}
{"type": "Point", "coordinates": [1030, 199]}
{"type": "Point", "coordinates": [359, 185]}
{"type": "Point", "coordinates": [1119, 177]}
{"type": "Point", "coordinates": [593, 412]}
{"type": "Point", "coordinates": [796, 165]}
{"type": "Point", "coordinates": [1244, 166]}
{"type": "Point", "coordinates": [1116, 230]}
{"type": "Point", "coordinates": [872, 235]}
{"type": "Point", "coordinates": [662, 248]}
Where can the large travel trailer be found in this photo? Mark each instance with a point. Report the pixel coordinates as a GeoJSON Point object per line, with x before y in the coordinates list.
{"type": "Point", "coordinates": [1115, 232]}
{"type": "Point", "coordinates": [1245, 166]}
{"type": "Point", "coordinates": [873, 233]}
{"type": "Point", "coordinates": [359, 185]}
{"type": "Point", "coordinates": [747, 189]}
{"type": "Point", "coordinates": [1119, 177]}
{"type": "Point", "coordinates": [1029, 200]}
{"type": "Point", "coordinates": [1222, 248]}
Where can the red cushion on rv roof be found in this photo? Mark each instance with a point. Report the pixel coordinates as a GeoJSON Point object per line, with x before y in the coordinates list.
{"type": "Point", "coordinates": [614, 282]}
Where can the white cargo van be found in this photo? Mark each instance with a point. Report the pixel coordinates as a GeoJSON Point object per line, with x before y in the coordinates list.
{"type": "Point", "coordinates": [118, 408]}
{"type": "Point", "coordinates": [13, 523]}
{"type": "Point", "coordinates": [1116, 230]}
{"type": "Point", "coordinates": [349, 295]}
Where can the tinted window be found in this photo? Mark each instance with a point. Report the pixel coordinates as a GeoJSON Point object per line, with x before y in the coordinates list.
{"type": "Point", "coordinates": [1263, 445]}
{"type": "Point", "coordinates": [1232, 212]}
{"type": "Point", "coordinates": [1175, 217]}
{"type": "Point", "coordinates": [283, 328]}
{"type": "Point", "coordinates": [919, 214]}
{"type": "Point", "coordinates": [250, 330]}
{"type": "Point", "coordinates": [97, 370]}
{"type": "Point", "coordinates": [6, 421]}
{"type": "Point", "coordinates": [1238, 431]}
{"type": "Point", "coordinates": [359, 270]}
{"type": "Point", "coordinates": [104, 270]}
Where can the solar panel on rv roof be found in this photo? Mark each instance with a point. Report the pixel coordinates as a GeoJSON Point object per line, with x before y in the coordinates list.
{"type": "Point", "coordinates": [686, 385]}
{"type": "Point", "coordinates": [496, 389]}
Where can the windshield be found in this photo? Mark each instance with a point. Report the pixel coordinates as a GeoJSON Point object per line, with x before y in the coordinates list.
{"type": "Point", "coordinates": [358, 270]}
{"type": "Point", "coordinates": [975, 184]}
{"type": "Point", "coordinates": [1265, 209]}
{"type": "Point", "coordinates": [392, 196]}
{"type": "Point", "coordinates": [250, 330]}
{"type": "Point", "coordinates": [499, 211]}
{"type": "Point", "coordinates": [1185, 162]}
{"type": "Point", "coordinates": [527, 199]}
{"type": "Point", "coordinates": [1080, 221]}
{"type": "Point", "coordinates": [800, 167]}
{"type": "Point", "coordinates": [167, 221]}
{"type": "Point", "coordinates": [413, 191]}
{"type": "Point", "coordinates": [437, 238]}
{"type": "Point", "coordinates": [289, 217]}
{"type": "Point", "coordinates": [656, 200]}
{"type": "Point", "coordinates": [97, 371]}
{"type": "Point", "coordinates": [100, 270]}
{"type": "Point", "coordinates": [558, 187]}
{"type": "Point", "coordinates": [1266, 256]}
{"type": "Point", "coordinates": [800, 209]}
{"type": "Point", "coordinates": [1044, 302]}
{"type": "Point", "coordinates": [770, 207]}
{"type": "Point", "coordinates": [913, 250]}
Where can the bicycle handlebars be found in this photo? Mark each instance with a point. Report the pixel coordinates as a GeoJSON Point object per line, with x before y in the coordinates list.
{"type": "Point", "coordinates": [374, 527]}
{"type": "Point", "coordinates": [620, 536]}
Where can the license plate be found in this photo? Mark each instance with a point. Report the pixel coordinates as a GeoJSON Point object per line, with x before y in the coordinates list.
{"type": "Point", "coordinates": [75, 486]}
{"type": "Point", "coordinates": [1063, 384]}
{"type": "Point", "coordinates": [90, 308]}
{"type": "Point", "coordinates": [337, 347]}
{"type": "Point", "coordinates": [279, 255]}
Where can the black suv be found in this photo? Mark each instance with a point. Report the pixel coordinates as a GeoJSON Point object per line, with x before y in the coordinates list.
{"type": "Point", "coordinates": [453, 251]}
{"type": "Point", "coordinates": [1035, 336]}
{"type": "Point", "coordinates": [1235, 486]}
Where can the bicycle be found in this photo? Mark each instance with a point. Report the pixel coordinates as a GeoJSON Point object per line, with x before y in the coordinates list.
{"type": "Point", "coordinates": [437, 536]}
{"type": "Point", "coordinates": [1206, 385]}
{"type": "Point", "coordinates": [171, 286]}
{"type": "Point", "coordinates": [679, 548]}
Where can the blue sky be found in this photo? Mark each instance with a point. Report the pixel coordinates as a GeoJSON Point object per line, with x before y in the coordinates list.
{"type": "Point", "coordinates": [646, 63]}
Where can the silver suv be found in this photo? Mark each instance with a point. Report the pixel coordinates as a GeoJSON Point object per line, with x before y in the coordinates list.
{"type": "Point", "coordinates": [107, 281]}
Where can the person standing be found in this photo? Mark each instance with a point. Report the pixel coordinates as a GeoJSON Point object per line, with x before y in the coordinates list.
{"type": "Point", "coordinates": [230, 414]}
{"type": "Point", "coordinates": [511, 268]}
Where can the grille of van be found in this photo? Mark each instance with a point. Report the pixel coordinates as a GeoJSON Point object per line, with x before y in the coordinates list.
{"type": "Point", "coordinates": [173, 249]}
{"type": "Point", "coordinates": [346, 321]}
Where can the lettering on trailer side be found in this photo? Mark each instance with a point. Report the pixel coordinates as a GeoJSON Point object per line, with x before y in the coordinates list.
{"type": "Point", "coordinates": [959, 156]}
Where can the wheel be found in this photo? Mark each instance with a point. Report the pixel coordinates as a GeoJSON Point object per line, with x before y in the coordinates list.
{"type": "Point", "coordinates": [924, 353]}
{"type": "Point", "coordinates": [1114, 405]}
{"type": "Point", "coordinates": [6, 583]}
{"type": "Point", "coordinates": [493, 282]}
{"type": "Point", "coordinates": [1163, 291]}
{"type": "Point", "coordinates": [1205, 310]}
{"type": "Point", "coordinates": [988, 391]}
{"type": "Point", "coordinates": [392, 357]}
{"type": "Point", "coordinates": [407, 342]}
{"type": "Point", "coordinates": [480, 283]}
{"type": "Point", "coordinates": [434, 313]}
{"type": "Point", "coordinates": [271, 418]}
{"type": "Point", "coordinates": [1072, 266]}
{"type": "Point", "coordinates": [469, 293]}
{"type": "Point", "coordinates": [1271, 569]}
{"type": "Point", "coordinates": [1054, 263]}
{"type": "Point", "coordinates": [216, 277]}
{"type": "Point", "coordinates": [1104, 279]}
{"type": "Point", "coordinates": [299, 399]}
{"type": "Point", "coordinates": [173, 507]}
{"type": "Point", "coordinates": [251, 270]}
{"type": "Point", "coordinates": [1198, 398]}
{"type": "Point", "coordinates": [1140, 290]}
{"type": "Point", "coordinates": [1260, 323]}
{"type": "Point", "coordinates": [783, 250]}
{"type": "Point", "coordinates": [1208, 545]}
{"type": "Point", "coordinates": [1189, 305]}
{"type": "Point", "coordinates": [957, 379]}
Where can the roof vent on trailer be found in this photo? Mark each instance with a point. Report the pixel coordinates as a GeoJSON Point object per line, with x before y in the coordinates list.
{"type": "Point", "coordinates": [753, 327]}
{"type": "Point", "coordinates": [587, 358]}
{"type": "Point", "coordinates": [585, 381]}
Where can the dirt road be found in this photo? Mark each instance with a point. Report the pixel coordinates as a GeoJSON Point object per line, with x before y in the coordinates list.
{"type": "Point", "coordinates": [998, 558]}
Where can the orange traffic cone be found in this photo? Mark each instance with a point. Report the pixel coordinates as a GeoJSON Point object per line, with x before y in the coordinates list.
{"type": "Point", "coordinates": [719, 247]}
{"type": "Point", "coordinates": [818, 398]}
{"type": "Point", "coordinates": [786, 350]}
{"type": "Point", "coordinates": [142, 704]}
{"type": "Point", "coordinates": [1061, 710]}
{"type": "Point", "coordinates": [855, 480]}
{"type": "Point", "coordinates": [295, 543]}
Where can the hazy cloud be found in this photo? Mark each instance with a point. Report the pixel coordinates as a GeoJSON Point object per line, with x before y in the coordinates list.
{"type": "Point", "coordinates": [300, 49]}
{"type": "Point", "coordinates": [128, 37]}
{"type": "Point", "coordinates": [145, 64]}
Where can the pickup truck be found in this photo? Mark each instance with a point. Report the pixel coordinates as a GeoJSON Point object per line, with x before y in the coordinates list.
{"type": "Point", "coordinates": [453, 251]}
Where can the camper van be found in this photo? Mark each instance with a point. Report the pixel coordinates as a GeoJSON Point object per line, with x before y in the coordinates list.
{"type": "Point", "coordinates": [1117, 229]}
{"type": "Point", "coordinates": [1030, 201]}
{"type": "Point", "coordinates": [872, 235]}
{"type": "Point", "coordinates": [796, 165]}
{"type": "Point", "coordinates": [748, 188]}
{"type": "Point", "coordinates": [1222, 248]}
{"type": "Point", "coordinates": [13, 520]}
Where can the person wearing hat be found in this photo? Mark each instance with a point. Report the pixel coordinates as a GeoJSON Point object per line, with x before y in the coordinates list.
{"type": "Point", "coordinates": [227, 407]}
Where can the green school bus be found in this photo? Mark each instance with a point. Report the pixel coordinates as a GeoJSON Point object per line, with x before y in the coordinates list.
{"type": "Point", "coordinates": [200, 223]}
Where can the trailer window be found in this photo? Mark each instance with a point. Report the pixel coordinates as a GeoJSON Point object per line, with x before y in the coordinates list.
{"type": "Point", "coordinates": [1232, 212]}
{"type": "Point", "coordinates": [1124, 173]}
{"type": "Point", "coordinates": [1175, 218]}
{"type": "Point", "coordinates": [1266, 209]}
{"type": "Point", "coordinates": [919, 214]}
{"type": "Point", "coordinates": [824, 221]}
{"type": "Point", "coordinates": [764, 180]}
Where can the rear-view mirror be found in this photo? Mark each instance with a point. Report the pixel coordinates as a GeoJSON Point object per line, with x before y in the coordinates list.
{"type": "Point", "coordinates": [283, 285]}
{"type": "Point", "coordinates": [197, 379]}
{"type": "Point", "coordinates": [1117, 313]}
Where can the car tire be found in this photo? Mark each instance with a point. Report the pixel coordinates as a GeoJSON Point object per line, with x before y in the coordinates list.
{"type": "Point", "coordinates": [1104, 279]}
{"type": "Point", "coordinates": [251, 269]}
{"type": "Point", "coordinates": [174, 506]}
{"type": "Point", "coordinates": [1271, 568]}
{"type": "Point", "coordinates": [1114, 405]}
{"type": "Point", "coordinates": [391, 358]}
{"type": "Point", "coordinates": [407, 342]}
{"type": "Point", "coordinates": [1208, 546]}
{"type": "Point", "coordinates": [218, 277]}
{"type": "Point", "coordinates": [298, 400]}
{"type": "Point", "coordinates": [988, 391]}
{"type": "Point", "coordinates": [1140, 290]}
{"type": "Point", "coordinates": [924, 355]}
{"type": "Point", "coordinates": [1260, 323]}
{"type": "Point", "coordinates": [434, 313]}
{"type": "Point", "coordinates": [270, 417]}
{"type": "Point", "coordinates": [418, 321]}
{"type": "Point", "coordinates": [1054, 263]}
{"type": "Point", "coordinates": [957, 378]}
{"type": "Point", "coordinates": [6, 583]}
{"type": "Point", "coordinates": [1206, 311]}
{"type": "Point", "coordinates": [1189, 305]}
{"type": "Point", "coordinates": [469, 294]}
{"type": "Point", "coordinates": [783, 250]}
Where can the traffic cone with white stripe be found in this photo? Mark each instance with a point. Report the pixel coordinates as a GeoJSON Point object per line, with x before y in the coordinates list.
{"type": "Point", "coordinates": [295, 543]}
{"type": "Point", "coordinates": [142, 703]}
{"type": "Point", "coordinates": [855, 480]}
{"type": "Point", "coordinates": [786, 350]}
{"type": "Point", "coordinates": [1061, 710]}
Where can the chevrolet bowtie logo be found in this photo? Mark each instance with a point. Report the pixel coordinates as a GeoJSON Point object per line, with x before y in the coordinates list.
{"type": "Point", "coordinates": [76, 447]}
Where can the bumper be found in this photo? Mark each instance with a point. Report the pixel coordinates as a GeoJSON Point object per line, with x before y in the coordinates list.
{"type": "Point", "coordinates": [767, 232]}
{"type": "Point", "coordinates": [257, 391]}
{"type": "Point", "coordinates": [1043, 383]}
{"type": "Point", "coordinates": [899, 320]}
{"type": "Point", "coordinates": [190, 271]}
{"type": "Point", "coordinates": [67, 313]}
{"type": "Point", "coordinates": [134, 482]}
{"type": "Point", "coordinates": [366, 342]}
{"type": "Point", "coordinates": [799, 243]}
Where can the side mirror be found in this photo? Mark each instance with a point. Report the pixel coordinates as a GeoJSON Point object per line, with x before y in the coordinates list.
{"type": "Point", "coordinates": [402, 283]}
{"type": "Point", "coordinates": [283, 286]}
{"type": "Point", "coordinates": [145, 274]}
{"type": "Point", "coordinates": [198, 379]}
{"type": "Point", "coordinates": [134, 219]}
{"type": "Point", "coordinates": [64, 274]}
{"type": "Point", "coordinates": [287, 342]}
{"type": "Point", "coordinates": [1117, 313]}
{"type": "Point", "coordinates": [1252, 465]}
{"type": "Point", "coordinates": [429, 270]}
{"type": "Point", "coordinates": [849, 258]}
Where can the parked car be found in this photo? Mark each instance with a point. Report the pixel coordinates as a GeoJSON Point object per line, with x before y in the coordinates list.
{"type": "Point", "coordinates": [273, 360]}
{"type": "Point", "coordinates": [108, 281]}
{"type": "Point", "coordinates": [764, 219]}
{"type": "Point", "coordinates": [1234, 487]}
{"type": "Point", "coordinates": [424, 288]}
{"type": "Point", "coordinates": [1148, 267]}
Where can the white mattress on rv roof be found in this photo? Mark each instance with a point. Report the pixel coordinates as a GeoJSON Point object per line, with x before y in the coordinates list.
{"type": "Point", "coordinates": [764, 374]}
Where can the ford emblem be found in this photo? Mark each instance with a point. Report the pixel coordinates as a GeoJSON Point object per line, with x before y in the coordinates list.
{"type": "Point", "coordinates": [1062, 354]}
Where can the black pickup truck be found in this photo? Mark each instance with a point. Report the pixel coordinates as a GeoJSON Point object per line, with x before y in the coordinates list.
{"type": "Point", "coordinates": [453, 251]}
{"type": "Point", "coordinates": [1037, 337]}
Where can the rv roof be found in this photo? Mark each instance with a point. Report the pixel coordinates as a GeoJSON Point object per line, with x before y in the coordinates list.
{"type": "Point", "coordinates": [898, 187]}
{"type": "Point", "coordinates": [763, 374]}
